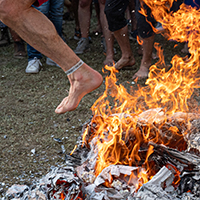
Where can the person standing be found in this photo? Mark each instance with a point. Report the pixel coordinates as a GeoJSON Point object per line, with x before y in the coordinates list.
{"type": "Point", "coordinates": [84, 15]}
{"type": "Point", "coordinates": [115, 13]}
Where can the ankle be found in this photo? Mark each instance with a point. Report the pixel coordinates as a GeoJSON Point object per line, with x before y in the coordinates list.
{"type": "Point", "coordinates": [78, 75]}
{"type": "Point", "coordinates": [127, 56]}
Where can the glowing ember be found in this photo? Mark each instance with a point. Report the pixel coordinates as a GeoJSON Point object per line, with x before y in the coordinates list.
{"type": "Point", "coordinates": [116, 112]}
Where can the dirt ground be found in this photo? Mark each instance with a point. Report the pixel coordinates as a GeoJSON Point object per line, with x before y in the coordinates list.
{"type": "Point", "coordinates": [31, 134]}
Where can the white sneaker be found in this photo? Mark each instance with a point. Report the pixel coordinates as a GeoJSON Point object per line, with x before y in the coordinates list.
{"type": "Point", "coordinates": [82, 46]}
{"type": "Point", "coordinates": [51, 62]}
{"type": "Point", "coordinates": [33, 66]}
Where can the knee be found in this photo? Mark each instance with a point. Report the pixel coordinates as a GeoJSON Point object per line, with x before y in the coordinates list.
{"type": "Point", "coordinates": [84, 3]}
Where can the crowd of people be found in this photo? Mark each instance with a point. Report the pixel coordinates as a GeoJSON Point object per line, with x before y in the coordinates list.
{"type": "Point", "coordinates": [112, 18]}
{"type": "Point", "coordinates": [39, 23]}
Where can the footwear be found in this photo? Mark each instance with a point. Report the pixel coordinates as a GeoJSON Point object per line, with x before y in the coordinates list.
{"type": "Point", "coordinates": [33, 66]}
{"type": "Point", "coordinates": [159, 27]}
{"type": "Point", "coordinates": [19, 49]}
{"type": "Point", "coordinates": [5, 38]}
{"type": "Point", "coordinates": [77, 34]}
{"type": "Point", "coordinates": [83, 46]}
{"type": "Point", "coordinates": [51, 62]}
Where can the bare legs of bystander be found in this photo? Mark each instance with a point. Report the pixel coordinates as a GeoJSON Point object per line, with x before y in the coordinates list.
{"type": "Point", "coordinates": [147, 46]}
{"type": "Point", "coordinates": [127, 58]}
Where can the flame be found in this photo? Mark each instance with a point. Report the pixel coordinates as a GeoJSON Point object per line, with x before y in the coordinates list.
{"type": "Point", "coordinates": [73, 150]}
{"type": "Point", "coordinates": [62, 196]}
{"type": "Point", "coordinates": [176, 173]}
{"type": "Point", "coordinates": [140, 42]}
{"type": "Point", "coordinates": [117, 112]}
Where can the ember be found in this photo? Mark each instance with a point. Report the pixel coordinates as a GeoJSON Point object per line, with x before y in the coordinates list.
{"type": "Point", "coordinates": [141, 146]}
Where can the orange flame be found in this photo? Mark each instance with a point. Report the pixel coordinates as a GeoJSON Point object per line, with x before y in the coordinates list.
{"type": "Point", "coordinates": [62, 196]}
{"type": "Point", "coordinates": [116, 112]}
{"type": "Point", "coordinates": [73, 150]}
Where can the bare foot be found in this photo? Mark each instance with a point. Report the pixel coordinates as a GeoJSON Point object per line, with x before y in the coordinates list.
{"type": "Point", "coordinates": [141, 73]}
{"type": "Point", "coordinates": [124, 62]}
{"type": "Point", "coordinates": [83, 81]}
{"type": "Point", "coordinates": [108, 61]}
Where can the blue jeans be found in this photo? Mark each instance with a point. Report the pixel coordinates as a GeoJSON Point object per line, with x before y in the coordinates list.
{"type": "Point", "coordinates": [53, 9]}
{"type": "Point", "coordinates": [2, 25]}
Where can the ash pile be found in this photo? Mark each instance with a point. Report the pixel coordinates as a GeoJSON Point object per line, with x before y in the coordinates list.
{"type": "Point", "coordinates": [171, 171]}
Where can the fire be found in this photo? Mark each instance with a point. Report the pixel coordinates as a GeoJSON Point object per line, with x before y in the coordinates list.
{"type": "Point", "coordinates": [116, 114]}
{"type": "Point", "coordinates": [62, 196]}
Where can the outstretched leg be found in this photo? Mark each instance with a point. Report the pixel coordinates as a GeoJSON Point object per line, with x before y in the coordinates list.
{"type": "Point", "coordinates": [39, 32]}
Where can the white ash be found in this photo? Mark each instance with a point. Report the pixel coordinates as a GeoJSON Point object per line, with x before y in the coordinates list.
{"type": "Point", "coordinates": [83, 164]}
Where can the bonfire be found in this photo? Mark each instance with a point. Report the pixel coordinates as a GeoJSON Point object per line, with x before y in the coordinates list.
{"type": "Point", "coordinates": [144, 145]}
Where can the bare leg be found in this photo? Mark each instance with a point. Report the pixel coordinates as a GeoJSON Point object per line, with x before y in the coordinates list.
{"type": "Point", "coordinates": [108, 36]}
{"type": "Point", "coordinates": [146, 58]}
{"type": "Point", "coordinates": [84, 17]}
{"type": "Point", "coordinates": [132, 13]}
{"type": "Point", "coordinates": [98, 27]}
{"type": "Point", "coordinates": [19, 47]}
{"type": "Point", "coordinates": [75, 11]}
{"type": "Point", "coordinates": [39, 32]}
{"type": "Point", "coordinates": [127, 58]}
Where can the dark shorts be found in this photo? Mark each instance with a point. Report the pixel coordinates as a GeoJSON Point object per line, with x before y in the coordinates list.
{"type": "Point", "coordinates": [39, 2]}
{"type": "Point", "coordinates": [115, 14]}
{"type": "Point", "coordinates": [143, 23]}
{"type": "Point", "coordinates": [193, 3]}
